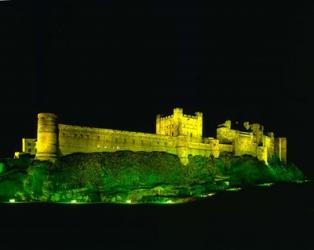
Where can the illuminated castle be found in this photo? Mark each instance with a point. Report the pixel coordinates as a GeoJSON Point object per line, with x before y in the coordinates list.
{"type": "Point", "coordinates": [178, 134]}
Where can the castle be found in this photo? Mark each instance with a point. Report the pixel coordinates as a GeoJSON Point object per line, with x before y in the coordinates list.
{"type": "Point", "coordinates": [178, 134]}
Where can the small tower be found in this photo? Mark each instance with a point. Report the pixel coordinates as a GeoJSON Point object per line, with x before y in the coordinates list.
{"type": "Point", "coordinates": [47, 137]}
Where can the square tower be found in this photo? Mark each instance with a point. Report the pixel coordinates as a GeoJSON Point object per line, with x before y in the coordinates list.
{"type": "Point", "coordinates": [179, 124]}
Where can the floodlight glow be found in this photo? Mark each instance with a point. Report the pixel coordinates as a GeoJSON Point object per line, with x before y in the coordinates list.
{"type": "Point", "coordinates": [233, 189]}
{"type": "Point", "coordinates": [207, 195]}
{"type": "Point", "coordinates": [265, 184]}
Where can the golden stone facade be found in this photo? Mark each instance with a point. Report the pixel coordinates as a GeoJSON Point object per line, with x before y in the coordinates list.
{"type": "Point", "coordinates": [178, 134]}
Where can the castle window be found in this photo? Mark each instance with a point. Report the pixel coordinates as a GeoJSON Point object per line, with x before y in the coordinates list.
{"type": "Point", "coordinates": [124, 140]}
{"type": "Point", "coordinates": [133, 141]}
{"type": "Point", "coordinates": [98, 137]}
{"type": "Point", "coordinates": [116, 140]}
{"type": "Point", "coordinates": [142, 141]}
{"type": "Point", "coordinates": [191, 134]}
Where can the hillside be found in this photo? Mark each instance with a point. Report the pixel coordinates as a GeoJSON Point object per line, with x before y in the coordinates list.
{"type": "Point", "coordinates": [131, 177]}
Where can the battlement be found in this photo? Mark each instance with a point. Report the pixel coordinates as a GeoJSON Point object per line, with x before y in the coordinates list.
{"type": "Point", "coordinates": [253, 141]}
{"type": "Point", "coordinates": [179, 124]}
{"type": "Point", "coordinates": [178, 133]}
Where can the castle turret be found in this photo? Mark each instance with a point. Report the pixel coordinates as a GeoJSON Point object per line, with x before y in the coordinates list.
{"type": "Point", "coordinates": [47, 137]}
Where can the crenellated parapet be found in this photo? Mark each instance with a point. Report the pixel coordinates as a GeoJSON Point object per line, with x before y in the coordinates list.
{"type": "Point", "coordinates": [252, 142]}
{"type": "Point", "coordinates": [179, 124]}
{"type": "Point", "coordinates": [178, 134]}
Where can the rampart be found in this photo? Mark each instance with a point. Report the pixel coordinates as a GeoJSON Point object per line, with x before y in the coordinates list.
{"type": "Point", "coordinates": [177, 134]}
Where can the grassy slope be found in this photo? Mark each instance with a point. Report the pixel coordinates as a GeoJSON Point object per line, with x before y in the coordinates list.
{"type": "Point", "coordinates": [28, 179]}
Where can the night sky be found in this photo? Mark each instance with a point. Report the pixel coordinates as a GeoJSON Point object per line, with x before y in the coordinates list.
{"type": "Point", "coordinates": [116, 64]}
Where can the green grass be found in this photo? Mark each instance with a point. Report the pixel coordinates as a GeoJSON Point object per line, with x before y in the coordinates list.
{"type": "Point", "coordinates": [126, 175]}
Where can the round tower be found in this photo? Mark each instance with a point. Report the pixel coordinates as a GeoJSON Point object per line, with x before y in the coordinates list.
{"type": "Point", "coordinates": [47, 137]}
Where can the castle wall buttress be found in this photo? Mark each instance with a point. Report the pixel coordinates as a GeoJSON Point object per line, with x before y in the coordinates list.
{"type": "Point", "coordinates": [262, 154]}
{"type": "Point", "coordinates": [281, 148]}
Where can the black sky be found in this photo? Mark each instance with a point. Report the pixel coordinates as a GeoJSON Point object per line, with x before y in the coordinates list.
{"type": "Point", "coordinates": [116, 64]}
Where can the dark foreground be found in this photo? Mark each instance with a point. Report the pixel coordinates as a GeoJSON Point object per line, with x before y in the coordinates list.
{"type": "Point", "coordinates": [278, 217]}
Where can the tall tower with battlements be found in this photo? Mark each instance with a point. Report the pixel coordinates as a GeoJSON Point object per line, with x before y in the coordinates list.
{"type": "Point", "coordinates": [179, 124]}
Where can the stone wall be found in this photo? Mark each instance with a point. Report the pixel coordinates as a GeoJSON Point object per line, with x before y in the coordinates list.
{"type": "Point", "coordinates": [181, 124]}
{"type": "Point", "coordinates": [74, 139]}
{"type": "Point", "coordinates": [85, 139]}
{"type": "Point", "coordinates": [178, 134]}
{"type": "Point", "coordinates": [281, 148]}
{"type": "Point", "coordinates": [244, 144]}
{"type": "Point", "coordinates": [226, 135]}
{"type": "Point", "coordinates": [29, 146]}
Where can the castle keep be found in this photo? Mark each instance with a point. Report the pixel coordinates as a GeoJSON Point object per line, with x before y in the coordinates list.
{"type": "Point", "coordinates": [178, 134]}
